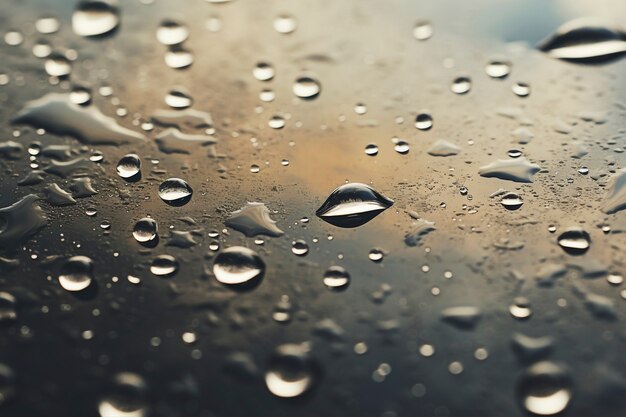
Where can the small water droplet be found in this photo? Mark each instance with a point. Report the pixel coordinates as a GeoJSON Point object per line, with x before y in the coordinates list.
{"type": "Point", "coordinates": [376, 255]}
{"type": "Point", "coordinates": [8, 312]}
{"type": "Point", "coordinates": [545, 389]}
{"type": "Point", "coordinates": [514, 153]}
{"type": "Point", "coordinates": [76, 273]}
{"type": "Point", "coordinates": [58, 65]}
{"type": "Point", "coordinates": [239, 266]}
{"type": "Point", "coordinates": [498, 68]}
{"type": "Point", "coordinates": [371, 149]}
{"type": "Point", "coordinates": [80, 95]}
{"type": "Point", "coordinates": [178, 58]}
{"type": "Point", "coordinates": [520, 309]}
{"type": "Point", "coordinates": [263, 71]}
{"type": "Point", "coordinates": [129, 167]}
{"type": "Point", "coordinates": [171, 33]}
{"type": "Point", "coordinates": [291, 371]}
{"type": "Point", "coordinates": [352, 205]}
{"type": "Point", "coordinates": [521, 89]}
{"type": "Point", "coordinates": [125, 397]}
{"type": "Point", "coordinates": [336, 278]}
{"type": "Point", "coordinates": [306, 88]}
{"type": "Point", "coordinates": [574, 241]}
{"type": "Point", "coordinates": [423, 30]}
{"type": "Point", "coordinates": [285, 24]}
{"type": "Point", "coordinates": [423, 121]}
{"type": "Point", "coordinates": [47, 24]}
{"type": "Point", "coordinates": [178, 99]}
{"type": "Point", "coordinates": [299, 247]}
{"type": "Point", "coordinates": [175, 192]}
{"type": "Point", "coordinates": [461, 85]}
{"type": "Point", "coordinates": [276, 122]}
{"type": "Point", "coordinates": [164, 266]}
{"type": "Point", "coordinates": [402, 147]}
{"type": "Point", "coordinates": [360, 108]}
{"type": "Point", "coordinates": [95, 18]}
{"type": "Point", "coordinates": [145, 230]}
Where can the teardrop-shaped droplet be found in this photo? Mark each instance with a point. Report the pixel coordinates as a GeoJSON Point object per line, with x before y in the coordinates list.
{"type": "Point", "coordinates": [353, 205]}
{"type": "Point", "coordinates": [586, 40]}
{"type": "Point", "coordinates": [574, 241]}
{"type": "Point", "coordinates": [124, 397]}
{"type": "Point", "coordinates": [129, 166]}
{"type": "Point", "coordinates": [238, 266]}
{"type": "Point", "coordinates": [164, 266]}
{"type": "Point", "coordinates": [175, 192]}
{"type": "Point", "coordinates": [145, 230]}
{"type": "Point", "coordinates": [545, 389]}
{"type": "Point", "coordinates": [511, 201]}
{"type": "Point", "coordinates": [95, 17]}
{"type": "Point", "coordinates": [76, 273]}
{"type": "Point", "coordinates": [306, 88]}
{"type": "Point", "coordinates": [336, 278]}
{"type": "Point", "coordinates": [171, 32]}
{"type": "Point", "coordinates": [291, 371]}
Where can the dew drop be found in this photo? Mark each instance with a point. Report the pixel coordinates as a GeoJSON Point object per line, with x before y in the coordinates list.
{"type": "Point", "coordinates": [129, 167]}
{"type": "Point", "coordinates": [520, 309]}
{"type": "Point", "coordinates": [47, 24]}
{"type": "Point", "coordinates": [178, 99]}
{"type": "Point", "coordinates": [76, 273]}
{"type": "Point", "coordinates": [461, 85]}
{"type": "Point", "coordinates": [239, 266]}
{"type": "Point", "coordinates": [263, 71]}
{"type": "Point", "coordinates": [371, 149]}
{"type": "Point", "coordinates": [276, 122]}
{"type": "Point", "coordinates": [423, 121]}
{"type": "Point", "coordinates": [178, 58]}
{"type": "Point", "coordinates": [58, 65]}
{"type": "Point", "coordinates": [80, 95]}
{"type": "Point", "coordinates": [376, 255]}
{"type": "Point", "coordinates": [336, 278]}
{"type": "Point", "coordinates": [8, 312]}
{"type": "Point", "coordinates": [299, 247]}
{"type": "Point", "coordinates": [125, 397]}
{"type": "Point", "coordinates": [402, 147]}
{"type": "Point", "coordinates": [521, 89]}
{"type": "Point", "coordinates": [360, 108]}
{"type": "Point", "coordinates": [145, 230]}
{"type": "Point", "coordinates": [306, 88]}
{"type": "Point", "coordinates": [95, 18]}
{"type": "Point", "coordinates": [175, 192]}
{"type": "Point", "coordinates": [164, 266]}
{"type": "Point", "coordinates": [171, 33]}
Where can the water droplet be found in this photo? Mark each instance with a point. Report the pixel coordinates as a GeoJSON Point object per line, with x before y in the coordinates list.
{"type": "Point", "coordinates": [520, 309]}
{"type": "Point", "coordinates": [276, 122]}
{"type": "Point", "coordinates": [545, 389]}
{"type": "Point", "coordinates": [42, 49]}
{"type": "Point", "coordinates": [129, 167]}
{"type": "Point", "coordinates": [306, 88]}
{"type": "Point", "coordinates": [171, 33]}
{"type": "Point", "coordinates": [514, 153]}
{"type": "Point", "coordinates": [511, 201]}
{"type": "Point", "coordinates": [125, 397]}
{"type": "Point", "coordinates": [423, 30]}
{"type": "Point", "coordinates": [352, 205]}
{"type": "Point", "coordinates": [613, 279]}
{"type": "Point", "coordinates": [178, 99]}
{"type": "Point", "coordinates": [574, 241]}
{"type": "Point", "coordinates": [145, 230]}
{"type": "Point", "coordinates": [255, 169]}
{"type": "Point", "coordinates": [76, 273]}
{"type": "Point", "coordinates": [285, 24]}
{"type": "Point", "coordinates": [267, 95]}
{"type": "Point", "coordinates": [585, 40]}
{"type": "Point", "coordinates": [336, 278]}
{"type": "Point", "coordinates": [13, 38]}
{"type": "Point", "coordinates": [95, 18]}
{"type": "Point", "coordinates": [461, 85]}
{"type": "Point", "coordinates": [583, 170]}
{"type": "Point", "coordinates": [498, 68]}
{"type": "Point", "coordinates": [423, 121]}
{"type": "Point", "coordinates": [80, 95]}
{"type": "Point", "coordinates": [178, 58]}
{"type": "Point", "coordinates": [360, 108]}
{"type": "Point", "coordinates": [175, 192]}
{"type": "Point", "coordinates": [402, 147]}
{"type": "Point", "coordinates": [47, 24]}
{"type": "Point", "coordinates": [164, 266]}
{"type": "Point", "coordinates": [239, 266]}
{"type": "Point", "coordinates": [263, 71]}
{"type": "Point", "coordinates": [291, 371]}
{"type": "Point", "coordinates": [8, 312]}
{"type": "Point", "coordinates": [376, 255]}
{"type": "Point", "coordinates": [58, 65]}
{"type": "Point", "coordinates": [299, 247]}
{"type": "Point", "coordinates": [371, 149]}
{"type": "Point", "coordinates": [521, 89]}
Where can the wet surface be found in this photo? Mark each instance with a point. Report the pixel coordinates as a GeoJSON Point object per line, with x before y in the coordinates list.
{"type": "Point", "coordinates": [171, 243]}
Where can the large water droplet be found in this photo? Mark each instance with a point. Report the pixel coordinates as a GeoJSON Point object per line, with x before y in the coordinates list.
{"type": "Point", "coordinates": [511, 201]}
{"type": "Point", "coordinates": [76, 273]}
{"type": "Point", "coordinates": [585, 40]}
{"type": "Point", "coordinates": [545, 389]}
{"type": "Point", "coordinates": [263, 71]}
{"type": "Point", "coordinates": [171, 32]}
{"type": "Point", "coordinates": [145, 230]}
{"type": "Point", "coordinates": [239, 266]}
{"type": "Point", "coordinates": [95, 17]}
{"type": "Point", "coordinates": [175, 192]}
{"type": "Point", "coordinates": [306, 88]}
{"type": "Point", "coordinates": [423, 121]}
{"type": "Point", "coordinates": [574, 241]}
{"type": "Point", "coordinates": [129, 167]}
{"type": "Point", "coordinates": [291, 371]}
{"type": "Point", "coordinates": [336, 278]}
{"type": "Point", "coordinates": [353, 205]}
{"type": "Point", "coordinates": [125, 397]}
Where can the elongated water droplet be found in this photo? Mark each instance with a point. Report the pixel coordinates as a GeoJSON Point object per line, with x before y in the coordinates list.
{"type": "Point", "coordinates": [175, 192]}
{"type": "Point", "coordinates": [95, 17]}
{"type": "Point", "coordinates": [239, 266]}
{"type": "Point", "coordinates": [291, 371]}
{"type": "Point", "coordinates": [352, 205]}
{"type": "Point", "coordinates": [585, 40]}
{"type": "Point", "coordinates": [574, 241]}
{"type": "Point", "coordinates": [545, 389]}
{"type": "Point", "coordinates": [336, 278]}
{"type": "Point", "coordinates": [76, 273]}
{"type": "Point", "coordinates": [145, 230]}
{"type": "Point", "coordinates": [129, 167]}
